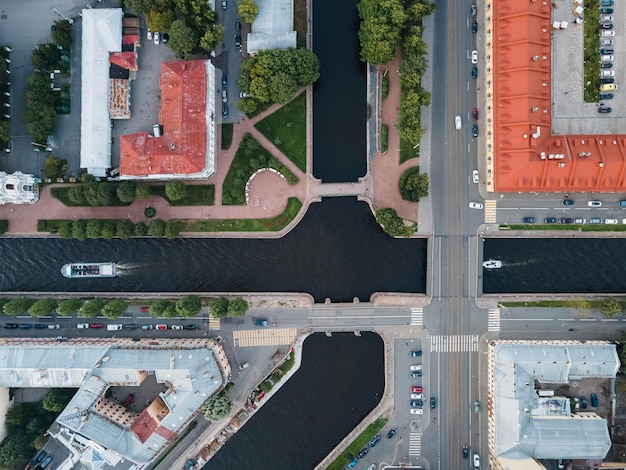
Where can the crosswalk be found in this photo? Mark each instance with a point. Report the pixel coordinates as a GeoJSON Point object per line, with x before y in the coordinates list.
{"type": "Point", "coordinates": [415, 444]}
{"type": "Point", "coordinates": [417, 316]}
{"type": "Point", "coordinates": [493, 323]}
{"type": "Point", "coordinates": [264, 337]}
{"type": "Point", "coordinates": [490, 211]}
{"type": "Point", "coordinates": [453, 343]}
{"type": "Point", "coordinates": [214, 323]}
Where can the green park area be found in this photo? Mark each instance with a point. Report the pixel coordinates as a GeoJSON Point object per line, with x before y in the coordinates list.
{"type": "Point", "coordinates": [361, 441]}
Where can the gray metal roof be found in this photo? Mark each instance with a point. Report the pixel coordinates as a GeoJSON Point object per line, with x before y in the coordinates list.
{"type": "Point", "coordinates": [273, 26]}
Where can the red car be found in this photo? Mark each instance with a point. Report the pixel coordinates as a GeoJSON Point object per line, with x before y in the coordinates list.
{"type": "Point", "coordinates": [97, 325]}
{"type": "Point", "coordinates": [145, 309]}
{"type": "Point", "coordinates": [475, 114]}
{"type": "Point", "coordinates": [161, 327]}
{"type": "Point", "coordinates": [416, 390]}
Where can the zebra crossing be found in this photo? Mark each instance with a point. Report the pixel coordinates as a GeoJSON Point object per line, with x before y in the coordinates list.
{"type": "Point", "coordinates": [493, 323]}
{"type": "Point", "coordinates": [264, 337]}
{"type": "Point", "coordinates": [214, 323]}
{"type": "Point", "coordinates": [415, 444]}
{"type": "Point", "coordinates": [417, 316]}
{"type": "Point", "coordinates": [453, 343]}
{"type": "Point", "coordinates": [490, 211]}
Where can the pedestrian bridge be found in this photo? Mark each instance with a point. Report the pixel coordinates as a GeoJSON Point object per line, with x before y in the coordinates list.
{"type": "Point", "coordinates": [342, 189]}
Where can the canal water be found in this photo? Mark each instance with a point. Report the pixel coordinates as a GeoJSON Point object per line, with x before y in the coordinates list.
{"type": "Point", "coordinates": [341, 379]}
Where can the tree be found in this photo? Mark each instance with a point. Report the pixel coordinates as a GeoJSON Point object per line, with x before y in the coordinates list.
{"type": "Point", "coordinates": [610, 307]}
{"type": "Point", "coordinates": [76, 195]}
{"type": "Point", "coordinates": [54, 167]}
{"type": "Point", "coordinates": [217, 407]}
{"type": "Point", "coordinates": [46, 57]}
{"type": "Point", "coordinates": [283, 88]}
{"type": "Point", "coordinates": [125, 229]}
{"type": "Point", "coordinates": [42, 307]}
{"type": "Point", "coordinates": [62, 34]}
{"type": "Point", "coordinates": [69, 307]}
{"type": "Point", "coordinates": [106, 194]}
{"type": "Point", "coordinates": [56, 399]}
{"type": "Point", "coordinates": [413, 184]}
{"type": "Point", "coordinates": [175, 190]}
{"type": "Point", "coordinates": [126, 191]}
{"type": "Point", "coordinates": [140, 6]}
{"type": "Point", "coordinates": [141, 229]}
{"type": "Point", "coordinates": [65, 229]}
{"type": "Point", "coordinates": [40, 121]}
{"type": "Point", "coordinates": [182, 39]}
{"type": "Point", "coordinates": [90, 193]}
{"type": "Point", "coordinates": [142, 191]}
{"type": "Point", "coordinates": [79, 229]}
{"type": "Point", "coordinates": [379, 34]}
{"type": "Point", "coordinates": [417, 10]}
{"type": "Point", "coordinates": [189, 306]}
{"type": "Point", "coordinates": [219, 307]}
{"type": "Point", "coordinates": [109, 229]}
{"type": "Point", "coordinates": [16, 307]}
{"type": "Point", "coordinates": [237, 307]}
{"type": "Point", "coordinates": [247, 105]}
{"type": "Point", "coordinates": [91, 309]}
{"type": "Point", "coordinates": [157, 228]}
{"type": "Point", "coordinates": [114, 308]}
{"type": "Point", "coordinates": [392, 223]}
{"type": "Point", "coordinates": [15, 448]}
{"type": "Point", "coordinates": [212, 37]}
{"type": "Point", "coordinates": [94, 228]}
{"type": "Point", "coordinates": [158, 307]}
{"type": "Point", "coordinates": [247, 10]}
{"type": "Point", "coordinates": [160, 20]}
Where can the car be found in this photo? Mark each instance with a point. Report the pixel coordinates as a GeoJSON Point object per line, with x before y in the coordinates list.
{"type": "Point", "coordinates": [594, 203]}
{"type": "Point", "coordinates": [416, 374]}
{"type": "Point", "coordinates": [149, 34]}
{"type": "Point", "coordinates": [475, 130]}
{"type": "Point", "coordinates": [224, 81]}
{"type": "Point", "coordinates": [606, 25]}
{"type": "Point", "coordinates": [580, 221]}
{"type": "Point", "coordinates": [473, 11]}
{"type": "Point", "coordinates": [417, 396]}
{"type": "Point", "coordinates": [131, 326]}
{"type": "Point", "coordinates": [474, 56]}
{"type": "Point", "coordinates": [606, 65]}
{"type": "Point", "coordinates": [474, 27]}
{"type": "Point", "coordinates": [177, 327]}
{"type": "Point", "coordinates": [353, 463]}
{"type": "Point", "coordinates": [528, 220]}
{"type": "Point", "coordinates": [416, 390]}
{"type": "Point", "coordinates": [475, 114]}
{"type": "Point", "coordinates": [372, 467]}
{"type": "Point", "coordinates": [433, 403]}
{"type": "Point", "coordinates": [608, 80]}
{"type": "Point", "coordinates": [224, 110]}
{"type": "Point", "coordinates": [606, 18]}
{"type": "Point", "coordinates": [161, 327]}
{"type": "Point", "coordinates": [607, 3]}
{"type": "Point", "coordinates": [374, 440]}
{"type": "Point", "coordinates": [416, 353]}
{"type": "Point", "coordinates": [147, 327]}
{"type": "Point", "coordinates": [54, 326]}
{"type": "Point", "coordinates": [96, 325]}
{"type": "Point", "coordinates": [458, 123]}
{"type": "Point", "coordinates": [476, 406]}
{"type": "Point", "coordinates": [237, 26]}
{"type": "Point", "coordinates": [607, 57]}
{"type": "Point", "coordinates": [260, 322]}
{"type": "Point", "coordinates": [595, 220]}
{"type": "Point", "coordinates": [42, 455]}
{"type": "Point", "coordinates": [244, 365]}
{"type": "Point", "coordinates": [243, 94]}
{"type": "Point", "coordinates": [416, 367]}
{"type": "Point", "coordinates": [583, 402]}
{"type": "Point", "coordinates": [417, 411]}
{"type": "Point", "coordinates": [166, 39]}
{"type": "Point", "coordinates": [475, 176]}
{"type": "Point", "coordinates": [604, 110]}
{"type": "Point", "coordinates": [25, 326]}
{"type": "Point", "coordinates": [576, 403]}
{"type": "Point", "coordinates": [47, 461]}
{"type": "Point", "coordinates": [608, 87]}
{"type": "Point", "coordinates": [417, 403]}
{"type": "Point", "coordinates": [224, 4]}
{"type": "Point", "coordinates": [224, 96]}
{"type": "Point", "coordinates": [560, 464]}
{"type": "Point", "coordinates": [606, 96]}
{"type": "Point", "coordinates": [157, 37]}
{"type": "Point", "coordinates": [549, 220]}
{"type": "Point", "coordinates": [606, 11]}
{"type": "Point", "coordinates": [607, 50]}
{"type": "Point", "coordinates": [10, 326]}
{"type": "Point", "coordinates": [363, 452]}
{"type": "Point", "coordinates": [465, 452]}
{"type": "Point", "coordinates": [594, 400]}
{"type": "Point", "coordinates": [145, 308]}
{"type": "Point", "coordinates": [391, 433]}
{"type": "Point", "coordinates": [40, 326]}
{"type": "Point", "coordinates": [568, 202]}
{"type": "Point", "coordinates": [61, 339]}
{"type": "Point", "coordinates": [610, 221]}
{"type": "Point", "coordinates": [475, 205]}
{"type": "Point", "coordinates": [191, 327]}
{"type": "Point", "coordinates": [607, 73]}
{"type": "Point", "coordinates": [238, 41]}
{"type": "Point", "coordinates": [474, 72]}
{"type": "Point", "coordinates": [476, 461]}
{"type": "Point", "coordinates": [606, 33]}
{"type": "Point", "coordinates": [115, 327]}
{"type": "Point", "coordinates": [566, 221]}
{"type": "Point", "coordinates": [82, 326]}
{"type": "Point", "coordinates": [607, 42]}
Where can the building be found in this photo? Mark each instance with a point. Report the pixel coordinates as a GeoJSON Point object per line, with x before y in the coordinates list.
{"type": "Point", "coordinates": [185, 144]}
{"type": "Point", "coordinates": [18, 188]}
{"type": "Point", "coordinates": [95, 429]}
{"type": "Point", "coordinates": [533, 143]}
{"type": "Point", "coordinates": [524, 426]}
{"type": "Point", "coordinates": [273, 27]}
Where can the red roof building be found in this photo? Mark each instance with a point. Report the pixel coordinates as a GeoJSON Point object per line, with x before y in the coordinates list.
{"type": "Point", "coordinates": [126, 60]}
{"type": "Point", "coordinates": [524, 154]}
{"type": "Point", "coordinates": [186, 146]}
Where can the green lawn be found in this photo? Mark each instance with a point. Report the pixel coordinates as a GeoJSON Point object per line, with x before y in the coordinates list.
{"type": "Point", "coordinates": [407, 151]}
{"type": "Point", "coordinates": [195, 195]}
{"type": "Point", "coordinates": [227, 135]}
{"type": "Point", "coordinates": [286, 128]}
{"type": "Point", "coordinates": [582, 228]}
{"type": "Point", "coordinates": [384, 138]}
{"type": "Point", "coordinates": [571, 303]}
{"type": "Point", "coordinates": [385, 85]}
{"type": "Point", "coordinates": [360, 442]}
{"type": "Point", "coordinates": [591, 51]}
{"type": "Point", "coordinates": [250, 156]}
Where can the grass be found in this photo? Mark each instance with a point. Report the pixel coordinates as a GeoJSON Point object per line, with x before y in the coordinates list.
{"type": "Point", "coordinates": [299, 22]}
{"type": "Point", "coordinates": [384, 138]}
{"type": "Point", "coordinates": [227, 135]}
{"type": "Point", "coordinates": [591, 51]}
{"type": "Point", "coordinates": [250, 156]}
{"type": "Point", "coordinates": [361, 441]}
{"type": "Point", "coordinates": [385, 84]}
{"type": "Point", "coordinates": [259, 109]}
{"type": "Point", "coordinates": [195, 195]}
{"type": "Point", "coordinates": [286, 128]}
{"type": "Point", "coordinates": [407, 151]}
{"type": "Point", "coordinates": [582, 228]}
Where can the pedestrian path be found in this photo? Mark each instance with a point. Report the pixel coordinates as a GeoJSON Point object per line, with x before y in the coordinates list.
{"type": "Point", "coordinates": [214, 323]}
{"type": "Point", "coordinates": [415, 444]}
{"type": "Point", "coordinates": [264, 337]}
{"type": "Point", "coordinates": [490, 211]}
{"type": "Point", "coordinates": [417, 316]}
{"type": "Point", "coordinates": [453, 343]}
{"type": "Point", "coordinates": [493, 323]}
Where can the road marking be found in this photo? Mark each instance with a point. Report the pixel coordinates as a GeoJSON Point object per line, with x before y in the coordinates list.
{"type": "Point", "coordinates": [493, 323]}
{"type": "Point", "coordinates": [417, 316]}
{"type": "Point", "coordinates": [214, 323]}
{"type": "Point", "coordinates": [264, 337]}
{"type": "Point", "coordinates": [453, 343]}
{"type": "Point", "coordinates": [415, 444]}
{"type": "Point", "coordinates": [490, 211]}
{"type": "Point", "coordinates": [609, 319]}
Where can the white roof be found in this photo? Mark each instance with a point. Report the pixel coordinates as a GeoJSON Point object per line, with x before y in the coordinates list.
{"type": "Point", "coordinates": [102, 34]}
{"type": "Point", "coordinates": [18, 188]}
{"type": "Point", "coordinates": [273, 26]}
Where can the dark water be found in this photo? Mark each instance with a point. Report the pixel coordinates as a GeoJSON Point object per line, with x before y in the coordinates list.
{"type": "Point", "coordinates": [340, 381]}
{"type": "Point", "coordinates": [532, 265]}
{"type": "Point", "coordinates": [340, 95]}
{"type": "Point", "coordinates": [336, 251]}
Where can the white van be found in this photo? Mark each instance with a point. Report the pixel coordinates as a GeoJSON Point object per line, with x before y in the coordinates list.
{"type": "Point", "coordinates": [457, 123]}
{"type": "Point", "coordinates": [114, 327]}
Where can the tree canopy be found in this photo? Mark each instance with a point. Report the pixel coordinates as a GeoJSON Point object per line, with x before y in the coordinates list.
{"type": "Point", "coordinates": [175, 190]}
{"type": "Point", "coordinates": [381, 22]}
{"type": "Point", "coordinates": [237, 307]}
{"type": "Point", "coordinates": [16, 307]}
{"type": "Point", "coordinates": [189, 306]}
{"type": "Point", "coordinates": [392, 223]}
{"type": "Point", "coordinates": [91, 309]}
{"type": "Point", "coordinates": [114, 308]}
{"type": "Point", "coordinates": [217, 407]}
{"type": "Point", "coordinates": [54, 167]}
{"type": "Point", "coordinates": [219, 307]}
{"type": "Point", "coordinates": [56, 399]}
{"type": "Point", "coordinates": [183, 39]}
{"type": "Point", "coordinates": [69, 307]}
{"type": "Point", "coordinates": [247, 10]}
{"type": "Point", "coordinates": [413, 184]}
{"type": "Point", "coordinates": [42, 307]}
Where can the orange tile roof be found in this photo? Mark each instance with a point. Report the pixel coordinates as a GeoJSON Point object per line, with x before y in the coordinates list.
{"type": "Point", "coordinates": [526, 156]}
{"type": "Point", "coordinates": [131, 39]}
{"type": "Point", "coordinates": [127, 60]}
{"type": "Point", "coordinates": [181, 149]}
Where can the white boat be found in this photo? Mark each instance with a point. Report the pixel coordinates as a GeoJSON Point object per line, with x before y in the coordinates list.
{"type": "Point", "coordinates": [492, 264]}
{"type": "Point", "coordinates": [80, 270]}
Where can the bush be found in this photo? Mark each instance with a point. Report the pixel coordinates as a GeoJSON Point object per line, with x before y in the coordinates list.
{"type": "Point", "coordinates": [175, 190]}
{"type": "Point", "coordinates": [610, 307]}
{"type": "Point", "coordinates": [77, 195]}
{"type": "Point", "coordinates": [172, 229]}
{"type": "Point", "coordinates": [392, 223]}
{"type": "Point", "coordinates": [157, 228]}
{"type": "Point", "coordinates": [142, 191]}
{"type": "Point", "coordinates": [141, 229]}
{"type": "Point", "coordinates": [94, 228]}
{"type": "Point", "coordinates": [54, 167]}
{"type": "Point", "coordinates": [125, 229]}
{"type": "Point", "coordinates": [79, 229]}
{"type": "Point", "coordinates": [217, 407]}
{"type": "Point", "coordinates": [65, 229]}
{"type": "Point", "coordinates": [149, 212]}
{"type": "Point", "coordinates": [109, 229]}
{"type": "Point", "coordinates": [126, 191]}
{"type": "Point", "coordinates": [413, 184]}
{"type": "Point", "coordinates": [4, 226]}
{"type": "Point", "coordinates": [69, 307]}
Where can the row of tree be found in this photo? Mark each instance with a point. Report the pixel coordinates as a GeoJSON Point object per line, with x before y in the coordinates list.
{"type": "Point", "coordinates": [81, 229]}
{"type": "Point", "coordinates": [275, 75]}
{"type": "Point", "coordinates": [222, 307]}
{"type": "Point", "coordinates": [94, 193]}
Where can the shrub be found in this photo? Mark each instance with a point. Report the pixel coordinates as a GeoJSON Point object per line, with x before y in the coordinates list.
{"type": "Point", "coordinates": [54, 167]}
{"type": "Point", "coordinates": [69, 307]}
{"type": "Point", "coordinates": [142, 191]}
{"type": "Point", "coordinates": [91, 309]}
{"type": "Point", "coordinates": [126, 191]}
{"type": "Point", "coordinates": [125, 229]}
{"type": "Point", "coordinates": [219, 307]}
{"type": "Point", "coordinates": [175, 190]}
{"type": "Point", "coordinates": [610, 307]}
{"type": "Point", "coordinates": [141, 229]}
{"type": "Point", "coordinates": [149, 212]}
{"type": "Point", "coordinates": [65, 229]}
{"type": "Point", "coordinates": [413, 184]}
{"type": "Point", "coordinates": [79, 229]}
{"type": "Point", "coordinates": [94, 228]}
{"type": "Point", "coordinates": [109, 229]}
{"type": "Point", "coordinates": [157, 228]}
{"type": "Point", "coordinates": [77, 195]}
{"type": "Point", "coordinates": [4, 226]}
{"type": "Point", "coordinates": [172, 229]}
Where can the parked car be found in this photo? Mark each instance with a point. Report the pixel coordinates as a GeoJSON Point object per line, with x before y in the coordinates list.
{"type": "Point", "coordinates": [238, 41]}
{"type": "Point", "coordinates": [363, 452]}
{"type": "Point", "coordinates": [607, 73]}
{"type": "Point", "coordinates": [608, 58]}
{"type": "Point", "coordinates": [607, 50]}
{"type": "Point", "coordinates": [475, 130]}
{"type": "Point", "coordinates": [261, 322]}
{"type": "Point", "coordinates": [474, 72]}
{"type": "Point", "coordinates": [374, 440]}
{"type": "Point", "coordinates": [191, 327]}
{"type": "Point", "coordinates": [161, 327]}
{"type": "Point", "coordinates": [475, 114]}
{"type": "Point", "coordinates": [416, 390]}
{"type": "Point", "coordinates": [353, 463]}
{"type": "Point", "coordinates": [237, 26]}
{"type": "Point", "coordinates": [528, 220]}
{"type": "Point", "coordinates": [580, 221]}
{"type": "Point", "coordinates": [417, 396]}
{"type": "Point", "coordinates": [474, 27]}
{"type": "Point", "coordinates": [391, 433]}
{"type": "Point", "coordinates": [605, 110]}
{"type": "Point", "coordinates": [606, 33]}
{"type": "Point", "coordinates": [475, 176]}
{"type": "Point", "coordinates": [476, 406]}
{"type": "Point", "coordinates": [177, 327]}
{"type": "Point", "coordinates": [416, 374]}
{"type": "Point", "coordinates": [476, 461]}
{"type": "Point", "coordinates": [610, 221]}
{"type": "Point", "coordinates": [606, 96]}
{"type": "Point", "coordinates": [549, 220]}
{"type": "Point", "coordinates": [606, 25]}
{"type": "Point", "coordinates": [608, 87]}
{"type": "Point", "coordinates": [224, 81]}
{"type": "Point", "coordinates": [166, 39]}
{"type": "Point", "coordinates": [607, 18]}
{"type": "Point", "coordinates": [82, 326]}
{"type": "Point", "coordinates": [607, 42]}
{"type": "Point", "coordinates": [606, 80]}
{"type": "Point", "coordinates": [594, 203]}
{"type": "Point", "coordinates": [149, 34]}
{"type": "Point", "coordinates": [225, 110]}
{"type": "Point", "coordinates": [583, 402]}
{"type": "Point", "coordinates": [595, 220]}
{"type": "Point", "coordinates": [131, 326]}
{"type": "Point", "coordinates": [25, 326]}
{"type": "Point", "coordinates": [40, 326]}
{"type": "Point", "coordinates": [62, 339]}
{"type": "Point", "coordinates": [416, 367]}
{"type": "Point", "coordinates": [473, 11]}
{"type": "Point", "coordinates": [566, 221]}
{"type": "Point", "coordinates": [244, 365]}
{"type": "Point", "coordinates": [224, 96]}
{"type": "Point", "coordinates": [96, 325]}
{"type": "Point", "coordinates": [417, 411]}
{"type": "Point", "coordinates": [458, 123]}
{"type": "Point", "coordinates": [606, 11]}
{"type": "Point", "coordinates": [417, 403]}
{"type": "Point", "coordinates": [224, 4]}
{"type": "Point", "coordinates": [568, 202]}
{"type": "Point", "coordinates": [416, 353]}
{"type": "Point", "coordinates": [147, 327]}
{"type": "Point", "coordinates": [433, 403]}
{"type": "Point", "coordinates": [606, 65]}
{"type": "Point", "coordinates": [475, 205]}
{"type": "Point", "coordinates": [157, 37]}
{"type": "Point", "coordinates": [474, 56]}
{"type": "Point", "coordinates": [594, 400]}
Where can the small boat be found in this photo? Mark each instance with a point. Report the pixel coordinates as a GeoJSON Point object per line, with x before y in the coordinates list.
{"type": "Point", "coordinates": [81, 270]}
{"type": "Point", "coordinates": [492, 264]}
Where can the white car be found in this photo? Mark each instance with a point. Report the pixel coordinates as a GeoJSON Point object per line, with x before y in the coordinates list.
{"type": "Point", "coordinates": [594, 203]}
{"type": "Point", "coordinates": [608, 73]}
{"type": "Point", "coordinates": [157, 37]}
{"type": "Point", "coordinates": [474, 56]}
{"type": "Point", "coordinates": [607, 42]}
{"type": "Point", "coordinates": [458, 123]}
{"type": "Point", "coordinates": [416, 367]}
{"type": "Point", "coordinates": [149, 34]}
{"type": "Point", "coordinates": [475, 205]}
{"type": "Point", "coordinates": [476, 461]}
{"type": "Point", "coordinates": [607, 32]}
{"type": "Point", "coordinates": [475, 176]}
{"type": "Point", "coordinates": [607, 58]}
{"type": "Point", "coordinates": [417, 411]}
{"type": "Point", "coordinates": [610, 221]}
{"type": "Point", "coordinates": [606, 18]}
{"type": "Point", "coordinates": [82, 326]}
{"type": "Point", "coordinates": [624, 221]}
{"type": "Point", "coordinates": [417, 396]}
{"type": "Point", "coordinates": [177, 327]}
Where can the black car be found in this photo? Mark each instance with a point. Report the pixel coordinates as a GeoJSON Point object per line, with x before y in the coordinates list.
{"type": "Point", "coordinates": [474, 72]}
{"type": "Point", "coordinates": [363, 452]}
{"type": "Point", "coordinates": [238, 41]}
{"type": "Point", "coordinates": [392, 432]}
{"type": "Point", "coordinates": [474, 27]}
{"type": "Point", "coordinates": [40, 326]}
{"type": "Point", "coordinates": [191, 327]}
{"type": "Point", "coordinates": [131, 326]}
{"type": "Point", "coordinates": [465, 452]}
{"type": "Point", "coordinates": [224, 81]}
{"type": "Point", "coordinates": [225, 110]}
{"type": "Point", "coordinates": [416, 373]}
{"type": "Point", "coordinates": [166, 38]}
{"type": "Point", "coordinates": [475, 130]}
{"type": "Point", "coordinates": [528, 220]}
{"type": "Point", "coordinates": [606, 25]}
{"type": "Point", "coordinates": [605, 110]}
{"type": "Point", "coordinates": [607, 51]}
{"type": "Point", "coordinates": [549, 220]}
{"type": "Point", "coordinates": [433, 403]}
{"type": "Point", "coordinates": [567, 202]}
{"type": "Point", "coordinates": [566, 221]}
{"type": "Point", "coordinates": [583, 402]}
{"type": "Point", "coordinates": [606, 11]}
{"type": "Point", "coordinates": [606, 96]}
{"type": "Point", "coordinates": [606, 65]}
{"type": "Point", "coordinates": [594, 400]}
{"type": "Point", "coordinates": [237, 26]}
{"type": "Point", "coordinates": [607, 80]}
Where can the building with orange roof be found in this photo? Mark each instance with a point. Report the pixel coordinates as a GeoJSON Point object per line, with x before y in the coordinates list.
{"type": "Point", "coordinates": [524, 151]}
{"type": "Point", "coordinates": [187, 144]}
